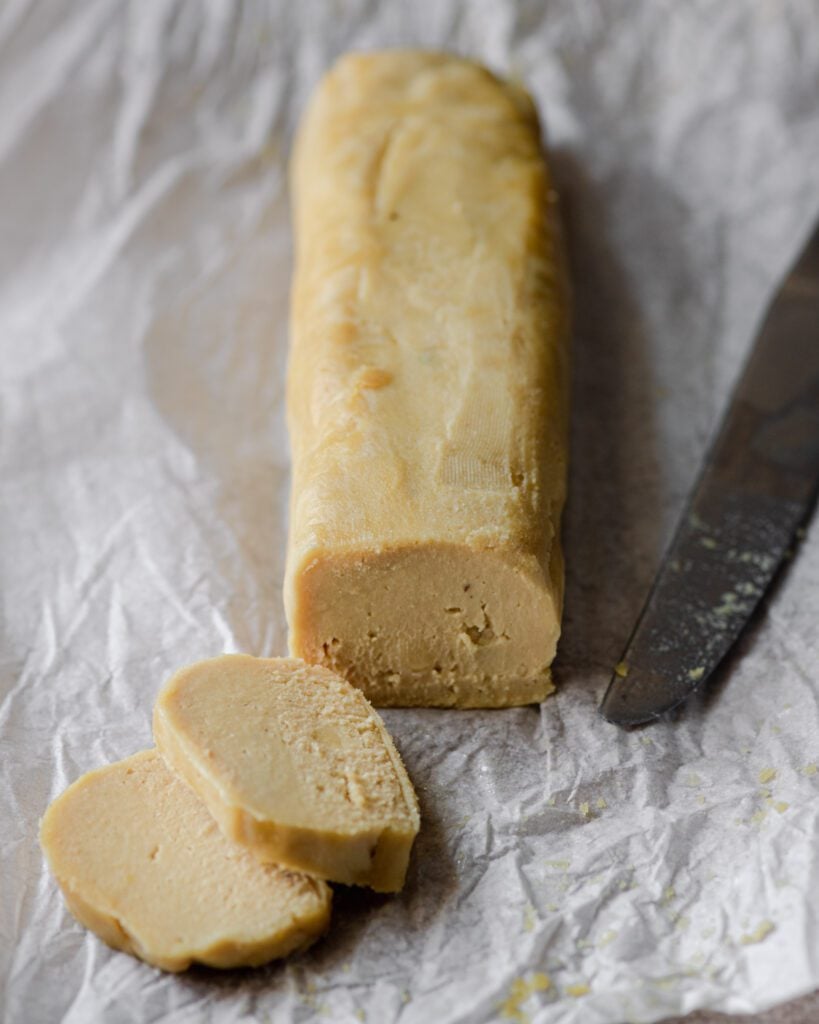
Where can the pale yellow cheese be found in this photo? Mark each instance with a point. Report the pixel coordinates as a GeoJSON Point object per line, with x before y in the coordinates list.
{"type": "Point", "coordinates": [294, 764]}
{"type": "Point", "coordinates": [143, 865]}
{"type": "Point", "coordinates": [427, 386]}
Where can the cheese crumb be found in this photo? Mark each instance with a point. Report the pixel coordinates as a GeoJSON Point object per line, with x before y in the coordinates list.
{"type": "Point", "coordinates": [767, 775]}
{"type": "Point", "coordinates": [585, 810]}
{"type": "Point", "coordinates": [621, 669]}
{"type": "Point", "coordinates": [601, 803]}
{"type": "Point", "coordinates": [758, 934]}
{"type": "Point", "coordinates": [809, 769]}
{"type": "Point", "coordinates": [576, 991]}
{"type": "Point", "coordinates": [519, 991]}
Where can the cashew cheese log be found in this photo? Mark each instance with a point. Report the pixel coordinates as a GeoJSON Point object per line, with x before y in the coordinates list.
{"type": "Point", "coordinates": [294, 765]}
{"type": "Point", "coordinates": [143, 865]}
{"type": "Point", "coordinates": [427, 386]}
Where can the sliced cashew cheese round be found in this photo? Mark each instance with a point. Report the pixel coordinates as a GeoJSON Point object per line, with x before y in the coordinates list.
{"type": "Point", "coordinates": [142, 864]}
{"type": "Point", "coordinates": [294, 764]}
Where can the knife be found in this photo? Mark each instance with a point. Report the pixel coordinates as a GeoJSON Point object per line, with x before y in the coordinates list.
{"type": "Point", "coordinates": [756, 489]}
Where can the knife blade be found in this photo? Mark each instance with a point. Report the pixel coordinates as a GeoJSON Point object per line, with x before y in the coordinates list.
{"type": "Point", "coordinates": [756, 489]}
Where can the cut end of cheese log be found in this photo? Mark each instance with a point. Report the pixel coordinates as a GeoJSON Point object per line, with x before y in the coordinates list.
{"type": "Point", "coordinates": [142, 864]}
{"type": "Point", "coordinates": [294, 764]}
{"type": "Point", "coordinates": [429, 624]}
{"type": "Point", "coordinates": [427, 386]}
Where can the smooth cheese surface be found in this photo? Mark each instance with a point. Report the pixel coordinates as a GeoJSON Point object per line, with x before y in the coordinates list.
{"type": "Point", "coordinates": [427, 386]}
{"type": "Point", "coordinates": [294, 764]}
{"type": "Point", "coordinates": [142, 864]}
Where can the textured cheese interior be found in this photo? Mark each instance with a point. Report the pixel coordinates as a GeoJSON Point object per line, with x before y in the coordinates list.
{"type": "Point", "coordinates": [431, 625]}
{"type": "Point", "coordinates": [427, 381]}
{"type": "Point", "coordinates": [294, 763]}
{"type": "Point", "coordinates": [142, 863]}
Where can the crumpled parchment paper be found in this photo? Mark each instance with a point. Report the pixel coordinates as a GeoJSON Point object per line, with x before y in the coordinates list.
{"type": "Point", "coordinates": [566, 871]}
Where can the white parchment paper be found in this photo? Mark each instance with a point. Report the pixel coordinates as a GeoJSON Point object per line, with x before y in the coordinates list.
{"type": "Point", "coordinates": [144, 268]}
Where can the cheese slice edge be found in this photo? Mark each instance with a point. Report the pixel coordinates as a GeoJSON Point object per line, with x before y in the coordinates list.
{"type": "Point", "coordinates": [141, 864]}
{"type": "Point", "coordinates": [294, 765]}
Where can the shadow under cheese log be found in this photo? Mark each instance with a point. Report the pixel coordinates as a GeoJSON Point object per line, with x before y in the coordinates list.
{"type": "Point", "coordinates": [612, 523]}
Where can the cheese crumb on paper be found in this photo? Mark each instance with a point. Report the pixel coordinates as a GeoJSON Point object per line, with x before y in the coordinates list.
{"type": "Point", "coordinates": [519, 991]}
{"type": "Point", "coordinates": [762, 931]}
